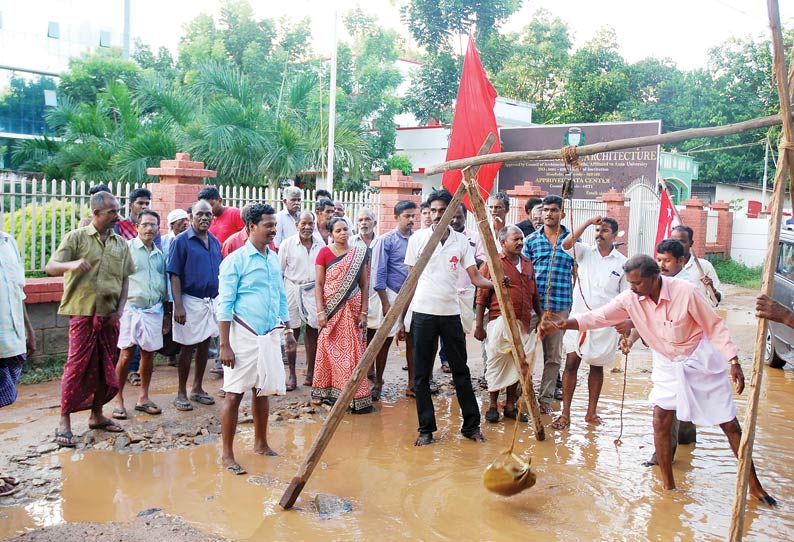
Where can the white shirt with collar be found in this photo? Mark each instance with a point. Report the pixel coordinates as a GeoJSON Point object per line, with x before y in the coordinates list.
{"type": "Point", "coordinates": [437, 292]}
{"type": "Point", "coordinates": [357, 241]}
{"type": "Point", "coordinates": [286, 226]}
{"type": "Point", "coordinates": [708, 270]}
{"type": "Point", "coordinates": [297, 263]}
{"type": "Point", "coordinates": [599, 278]}
{"type": "Point", "coordinates": [12, 298]}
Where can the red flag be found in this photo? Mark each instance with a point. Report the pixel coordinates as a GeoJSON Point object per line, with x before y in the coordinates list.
{"type": "Point", "coordinates": [668, 220]}
{"type": "Point", "coordinates": [474, 120]}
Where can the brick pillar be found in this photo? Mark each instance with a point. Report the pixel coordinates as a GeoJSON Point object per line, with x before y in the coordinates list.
{"type": "Point", "coordinates": [394, 188]}
{"type": "Point", "coordinates": [695, 216]}
{"type": "Point", "coordinates": [617, 209]}
{"type": "Point", "coordinates": [180, 182]}
{"type": "Point", "coordinates": [522, 193]}
{"type": "Point", "coordinates": [724, 225]}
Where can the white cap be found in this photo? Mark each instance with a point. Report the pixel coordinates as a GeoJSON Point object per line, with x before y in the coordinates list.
{"type": "Point", "coordinates": [176, 214]}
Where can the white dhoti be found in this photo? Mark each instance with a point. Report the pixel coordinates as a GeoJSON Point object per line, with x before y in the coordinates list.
{"type": "Point", "coordinates": [200, 321]}
{"type": "Point", "coordinates": [595, 346]}
{"type": "Point", "coordinates": [466, 303]}
{"type": "Point", "coordinates": [307, 304]}
{"type": "Point", "coordinates": [392, 295]}
{"type": "Point", "coordinates": [501, 370]}
{"type": "Point", "coordinates": [374, 311]}
{"type": "Point", "coordinates": [257, 363]}
{"type": "Point", "coordinates": [293, 304]}
{"type": "Point", "coordinates": [697, 386]}
{"type": "Point", "coordinates": [141, 327]}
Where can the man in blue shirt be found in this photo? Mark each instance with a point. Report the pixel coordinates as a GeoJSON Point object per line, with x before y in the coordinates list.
{"type": "Point", "coordinates": [252, 311]}
{"type": "Point", "coordinates": [193, 266]}
{"type": "Point", "coordinates": [556, 293]}
{"type": "Point", "coordinates": [389, 278]}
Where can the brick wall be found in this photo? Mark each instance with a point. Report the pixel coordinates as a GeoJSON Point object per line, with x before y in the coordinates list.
{"type": "Point", "coordinates": [52, 329]}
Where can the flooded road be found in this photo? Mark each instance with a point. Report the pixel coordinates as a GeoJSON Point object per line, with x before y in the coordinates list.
{"type": "Point", "coordinates": [587, 488]}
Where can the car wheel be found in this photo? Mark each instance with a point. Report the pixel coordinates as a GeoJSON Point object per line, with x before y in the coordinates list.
{"type": "Point", "coordinates": [770, 356]}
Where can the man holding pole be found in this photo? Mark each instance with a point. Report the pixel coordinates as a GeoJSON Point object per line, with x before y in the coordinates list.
{"type": "Point", "coordinates": [692, 357]}
{"type": "Point", "coordinates": [436, 313]}
{"type": "Point", "coordinates": [698, 268]}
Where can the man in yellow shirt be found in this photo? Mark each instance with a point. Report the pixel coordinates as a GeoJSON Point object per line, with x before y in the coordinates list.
{"type": "Point", "coordinates": [96, 264]}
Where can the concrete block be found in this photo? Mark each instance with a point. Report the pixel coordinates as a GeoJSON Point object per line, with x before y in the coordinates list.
{"type": "Point", "coordinates": [42, 315]}
{"type": "Point", "coordinates": [55, 341]}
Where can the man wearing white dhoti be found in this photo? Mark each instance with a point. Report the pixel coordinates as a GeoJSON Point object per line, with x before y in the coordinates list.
{"type": "Point", "coordinates": [297, 255]}
{"type": "Point", "coordinates": [193, 266]}
{"type": "Point", "coordinates": [141, 323]}
{"type": "Point", "coordinates": [600, 278]}
{"type": "Point", "coordinates": [252, 312]}
{"type": "Point", "coordinates": [501, 370]}
{"type": "Point", "coordinates": [693, 356]}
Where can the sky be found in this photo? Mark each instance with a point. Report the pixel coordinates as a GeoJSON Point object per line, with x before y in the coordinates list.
{"type": "Point", "coordinates": [682, 30]}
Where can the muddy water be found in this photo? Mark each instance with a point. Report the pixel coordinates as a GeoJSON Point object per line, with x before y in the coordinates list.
{"type": "Point", "coordinates": [587, 488]}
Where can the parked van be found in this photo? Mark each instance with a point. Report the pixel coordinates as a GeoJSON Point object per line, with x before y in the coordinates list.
{"type": "Point", "coordinates": [779, 337]}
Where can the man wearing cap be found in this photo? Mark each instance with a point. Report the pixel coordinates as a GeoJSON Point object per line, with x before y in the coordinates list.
{"type": "Point", "coordinates": [178, 221]}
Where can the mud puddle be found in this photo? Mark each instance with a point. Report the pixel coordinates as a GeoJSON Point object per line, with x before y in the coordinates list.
{"type": "Point", "coordinates": [587, 488]}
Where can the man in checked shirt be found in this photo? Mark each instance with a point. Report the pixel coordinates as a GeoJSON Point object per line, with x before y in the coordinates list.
{"type": "Point", "coordinates": [555, 296]}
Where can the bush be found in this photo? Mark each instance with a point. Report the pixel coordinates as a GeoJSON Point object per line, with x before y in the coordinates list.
{"type": "Point", "coordinates": [63, 212]}
{"type": "Point", "coordinates": [399, 162]}
{"type": "Point", "coordinates": [733, 272]}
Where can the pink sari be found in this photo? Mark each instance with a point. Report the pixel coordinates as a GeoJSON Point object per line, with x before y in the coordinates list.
{"type": "Point", "coordinates": [341, 345]}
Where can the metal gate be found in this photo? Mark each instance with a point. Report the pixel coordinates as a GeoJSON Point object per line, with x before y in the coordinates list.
{"type": "Point", "coordinates": [643, 217]}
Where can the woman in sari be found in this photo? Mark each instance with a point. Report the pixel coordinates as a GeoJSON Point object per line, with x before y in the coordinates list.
{"type": "Point", "coordinates": [342, 274]}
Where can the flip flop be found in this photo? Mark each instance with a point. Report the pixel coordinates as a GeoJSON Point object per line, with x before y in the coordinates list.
{"type": "Point", "coordinates": [134, 379]}
{"type": "Point", "coordinates": [410, 393]}
{"type": "Point", "coordinates": [65, 439]}
{"type": "Point", "coordinates": [183, 404]}
{"type": "Point", "coordinates": [7, 489]}
{"type": "Point", "coordinates": [561, 423]}
{"type": "Point", "coordinates": [149, 408]}
{"type": "Point", "coordinates": [108, 426]}
{"type": "Point", "coordinates": [292, 385]}
{"type": "Point", "coordinates": [202, 398]}
{"type": "Point", "coordinates": [236, 469]}
{"type": "Point", "coordinates": [10, 480]}
{"type": "Point", "coordinates": [119, 413]}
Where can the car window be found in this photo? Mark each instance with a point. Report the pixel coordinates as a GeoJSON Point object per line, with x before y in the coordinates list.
{"type": "Point", "coordinates": [785, 261]}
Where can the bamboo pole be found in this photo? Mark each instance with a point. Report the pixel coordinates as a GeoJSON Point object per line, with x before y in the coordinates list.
{"type": "Point", "coordinates": [709, 291]}
{"type": "Point", "coordinates": [506, 306]}
{"type": "Point", "coordinates": [607, 146]}
{"type": "Point", "coordinates": [785, 165]}
{"type": "Point", "coordinates": [360, 372]}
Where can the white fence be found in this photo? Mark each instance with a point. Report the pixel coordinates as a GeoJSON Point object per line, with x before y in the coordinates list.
{"type": "Point", "coordinates": [712, 223]}
{"type": "Point", "coordinates": [749, 240]}
{"type": "Point", "coordinates": [39, 212]}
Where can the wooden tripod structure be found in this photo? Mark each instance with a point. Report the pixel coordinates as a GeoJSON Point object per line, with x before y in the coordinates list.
{"type": "Point", "coordinates": [785, 167]}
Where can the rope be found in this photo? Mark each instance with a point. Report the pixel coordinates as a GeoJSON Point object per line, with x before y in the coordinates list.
{"type": "Point", "coordinates": [617, 441]}
{"type": "Point", "coordinates": [569, 156]}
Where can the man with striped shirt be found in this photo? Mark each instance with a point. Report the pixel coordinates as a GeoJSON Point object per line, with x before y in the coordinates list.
{"type": "Point", "coordinates": [556, 293]}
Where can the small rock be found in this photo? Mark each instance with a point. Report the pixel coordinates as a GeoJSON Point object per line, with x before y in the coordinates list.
{"type": "Point", "coordinates": [47, 447]}
{"type": "Point", "coordinates": [136, 448]}
{"type": "Point", "coordinates": [264, 480]}
{"type": "Point", "coordinates": [38, 482]}
{"type": "Point", "coordinates": [616, 370]}
{"type": "Point", "coordinates": [278, 418]}
{"type": "Point", "coordinates": [148, 512]}
{"type": "Point", "coordinates": [121, 442]}
{"type": "Point", "coordinates": [199, 431]}
{"type": "Point", "coordinates": [246, 419]}
{"type": "Point", "coordinates": [134, 437]}
{"type": "Point", "coordinates": [104, 445]}
{"type": "Point", "coordinates": [330, 506]}
{"type": "Point", "coordinates": [55, 467]}
{"type": "Point", "coordinates": [308, 410]}
{"type": "Point", "coordinates": [159, 433]}
{"type": "Point", "coordinates": [204, 439]}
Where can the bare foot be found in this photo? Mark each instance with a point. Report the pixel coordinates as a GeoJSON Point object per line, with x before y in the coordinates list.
{"type": "Point", "coordinates": [595, 419]}
{"type": "Point", "coordinates": [265, 450]}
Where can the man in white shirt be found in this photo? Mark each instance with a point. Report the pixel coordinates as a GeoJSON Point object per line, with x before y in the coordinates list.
{"type": "Point", "coordinates": [436, 313]}
{"type": "Point", "coordinates": [287, 218]}
{"type": "Point", "coordinates": [708, 279]}
{"type": "Point", "coordinates": [600, 278]}
{"type": "Point", "coordinates": [298, 254]}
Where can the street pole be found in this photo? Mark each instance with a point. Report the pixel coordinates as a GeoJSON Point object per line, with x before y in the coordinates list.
{"type": "Point", "coordinates": [332, 117]}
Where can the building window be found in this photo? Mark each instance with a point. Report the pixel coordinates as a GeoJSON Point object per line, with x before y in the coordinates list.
{"type": "Point", "coordinates": [53, 30]}
{"type": "Point", "coordinates": [50, 98]}
{"type": "Point", "coordinates": [104, 38]}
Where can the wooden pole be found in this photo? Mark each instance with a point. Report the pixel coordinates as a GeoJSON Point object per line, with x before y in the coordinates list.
{"type": "Point", "coordinates": [607, 146]}
{"type": "Point", "coordinates": [785, 163]}
{"type": "Point", "coordinates": [505, 305]}
{"type": "Point", "coordinates": [709, 291]}
{"type": "Point", "coordinates": [360, 372]}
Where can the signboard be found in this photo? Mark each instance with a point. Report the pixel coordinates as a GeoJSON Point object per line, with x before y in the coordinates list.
{"type": "Point", "coordinates": [600, 172]}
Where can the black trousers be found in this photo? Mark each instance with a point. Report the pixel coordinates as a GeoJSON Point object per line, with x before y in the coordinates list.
{"type": "Point", "coordinates": [425, 332]}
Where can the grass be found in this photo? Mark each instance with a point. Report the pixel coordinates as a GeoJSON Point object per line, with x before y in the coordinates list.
{"type": "Point", "coordinates": [733, 272]}
{"type": "Point", "coordinates": [50, 368]}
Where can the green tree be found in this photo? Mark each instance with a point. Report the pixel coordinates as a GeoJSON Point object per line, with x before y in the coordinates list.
{"type": "Point", "coordinates": [90, 73]}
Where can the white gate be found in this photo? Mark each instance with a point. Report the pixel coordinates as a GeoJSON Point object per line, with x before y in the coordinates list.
{"type": "Point", "coordinates": [643, 217]}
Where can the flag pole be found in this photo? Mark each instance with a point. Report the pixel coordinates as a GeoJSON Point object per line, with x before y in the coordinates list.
{"type": "Point", "coordinates": [710, 291]}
